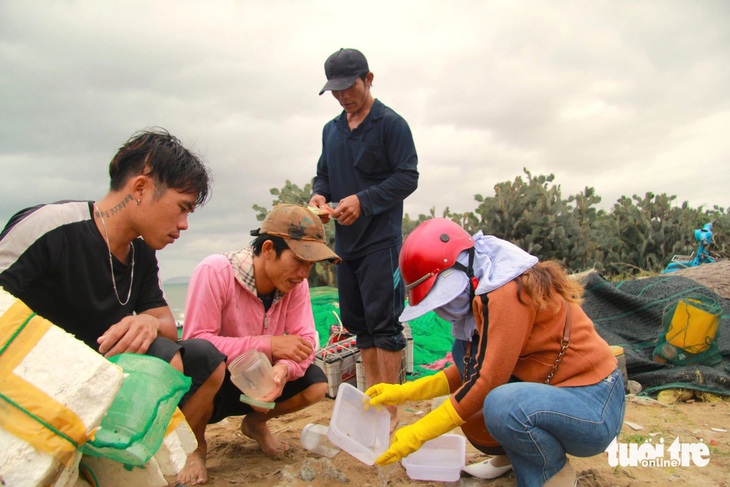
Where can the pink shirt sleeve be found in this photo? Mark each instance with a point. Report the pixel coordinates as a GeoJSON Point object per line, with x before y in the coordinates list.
{"type": "Point", "coordinates": [211, 290]}
{"type": "Point", "coordinates": [300, 321]}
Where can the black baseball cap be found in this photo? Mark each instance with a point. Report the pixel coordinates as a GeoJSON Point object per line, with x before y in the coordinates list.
{"type": "Point", "coordinates": [342, 69]}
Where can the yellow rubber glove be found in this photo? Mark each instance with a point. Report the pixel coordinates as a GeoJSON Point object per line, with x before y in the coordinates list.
{"type": "Point", "coordinates": [424, 388]}
{"type": "Point", "coordinates": [410, 438]}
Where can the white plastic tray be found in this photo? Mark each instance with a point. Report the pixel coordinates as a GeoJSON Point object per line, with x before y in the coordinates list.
{"type": "Point", "coordinates": [361, 432]}
{"type": "Point", "coordinates": [440, 459]}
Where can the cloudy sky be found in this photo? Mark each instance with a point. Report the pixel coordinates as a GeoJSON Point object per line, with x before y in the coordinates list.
{"type": "Point", "coordinates": [623, 96]}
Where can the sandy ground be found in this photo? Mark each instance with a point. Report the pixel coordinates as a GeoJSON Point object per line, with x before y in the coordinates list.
{"type": "Point", "coordinates": [236, 460]}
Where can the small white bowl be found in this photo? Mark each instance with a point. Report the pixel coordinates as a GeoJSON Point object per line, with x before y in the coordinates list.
{"type": "Point", "coordinates": [440, 459]}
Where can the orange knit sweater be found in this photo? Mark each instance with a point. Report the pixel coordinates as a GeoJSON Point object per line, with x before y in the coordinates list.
{"type": "Point", "coordinates": [522, 342]}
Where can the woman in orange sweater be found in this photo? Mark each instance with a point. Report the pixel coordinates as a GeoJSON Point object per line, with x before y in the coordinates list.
{"type": "Point", "coordinates": [532, 379]}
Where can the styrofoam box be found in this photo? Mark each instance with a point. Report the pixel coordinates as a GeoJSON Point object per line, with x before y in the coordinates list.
{"type": "Point", "coordinates": [175, 448]}
{"type": "Point", "coordinates": [440, 459]}
{"type": "Point", "coordinates": [109, 473]}
{"type": "Point", "coordinates": [362, 432]}
{"type": "Point", "coordinates": [85, 383]}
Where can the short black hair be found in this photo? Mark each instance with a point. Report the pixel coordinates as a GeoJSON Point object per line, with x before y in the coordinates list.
{"type": "Point", "coordinates": [280, 244]}
{"type": "Point", "coordinates": [161, 156]}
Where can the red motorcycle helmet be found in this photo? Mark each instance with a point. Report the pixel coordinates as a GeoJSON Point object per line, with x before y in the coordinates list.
{"type": "Point", "coordinates": [429, 249]}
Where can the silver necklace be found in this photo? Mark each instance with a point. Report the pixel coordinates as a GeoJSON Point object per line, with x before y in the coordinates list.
{"type": "Point", "coordinates": [111, 263]}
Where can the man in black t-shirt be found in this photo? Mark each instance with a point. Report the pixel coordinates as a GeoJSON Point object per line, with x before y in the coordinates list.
{"type": "Point", "coordinates": [90, 267]}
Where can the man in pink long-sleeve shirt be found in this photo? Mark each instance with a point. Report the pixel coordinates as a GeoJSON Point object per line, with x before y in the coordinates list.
{"type": "Point", "coordinates": [258, 298]}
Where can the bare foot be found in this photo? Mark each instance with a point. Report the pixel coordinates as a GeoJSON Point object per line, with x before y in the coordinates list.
{"type": "Point", "coordinates": [194, 471]}
{"type": "Point", "coordinates": [259, 431]}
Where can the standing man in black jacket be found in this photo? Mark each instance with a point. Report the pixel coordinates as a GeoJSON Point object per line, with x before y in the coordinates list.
{"type": "Point", "coordinates": [368, 166]}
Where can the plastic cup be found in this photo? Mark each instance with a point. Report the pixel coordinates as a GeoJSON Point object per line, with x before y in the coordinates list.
{"type": "Point", "coordinates": [314, 439]}
{"type": "Point", "coordinates": [253, 374]}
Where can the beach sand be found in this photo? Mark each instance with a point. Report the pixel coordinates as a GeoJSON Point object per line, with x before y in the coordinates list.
{"type": "Point", "coordinates": [236, 460]}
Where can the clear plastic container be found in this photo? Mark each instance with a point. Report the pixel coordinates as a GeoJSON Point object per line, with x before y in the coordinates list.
{"type": "Point", "coordinates": [360, 430]}
{"type": "Point", "coordinates": [440, 459]}
{"type": "Point", "coordinates": [253, 374]}
{"type": "Point", "coordinates": [314, 439]}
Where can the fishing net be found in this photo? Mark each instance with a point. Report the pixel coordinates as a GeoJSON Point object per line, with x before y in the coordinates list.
{"type": "Point", "coordinates": [644, 315]}
{"type": "Point", "coordinates": [134, 427]}
{"type": "Point", "coordinates": [431, 335]}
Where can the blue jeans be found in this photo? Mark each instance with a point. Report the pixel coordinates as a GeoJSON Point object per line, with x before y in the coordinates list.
{"type": "Point", "coordinates": [538, 424]}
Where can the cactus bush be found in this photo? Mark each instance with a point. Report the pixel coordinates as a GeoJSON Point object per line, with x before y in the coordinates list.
{"type": "Point", "coordinates": [638, 236]}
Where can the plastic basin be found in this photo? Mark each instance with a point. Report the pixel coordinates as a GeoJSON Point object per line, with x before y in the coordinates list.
{"type": "Point", "coordinates": [440, 459]}
{"type": "Point", "coordinates": [361, 432]}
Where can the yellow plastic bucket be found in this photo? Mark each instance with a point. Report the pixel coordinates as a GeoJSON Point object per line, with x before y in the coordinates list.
{"type": "Point", "coordinates": [692, 329]}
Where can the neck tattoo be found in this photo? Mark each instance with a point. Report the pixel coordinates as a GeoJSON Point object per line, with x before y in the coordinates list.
{"type": "Point", "coordinates": [111, 263]}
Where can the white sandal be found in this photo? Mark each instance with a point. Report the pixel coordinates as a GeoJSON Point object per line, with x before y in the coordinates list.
{"type": "Point", "coordinates": [485, 470]}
